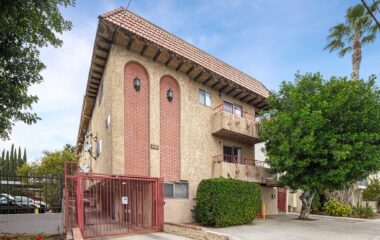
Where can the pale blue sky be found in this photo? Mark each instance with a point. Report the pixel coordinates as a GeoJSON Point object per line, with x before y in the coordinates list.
{"type": "Point", "coordinates": [268, 39]}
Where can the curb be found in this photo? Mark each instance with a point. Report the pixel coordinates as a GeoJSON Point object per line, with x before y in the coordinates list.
{"type": "Point", "coordinates": [194, 232]}
{"type": "Point", "coordinates": [337, 218]}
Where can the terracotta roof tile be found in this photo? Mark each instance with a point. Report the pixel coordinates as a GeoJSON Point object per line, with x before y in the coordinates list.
{"type": "Point", "coordinates": [141, 27]}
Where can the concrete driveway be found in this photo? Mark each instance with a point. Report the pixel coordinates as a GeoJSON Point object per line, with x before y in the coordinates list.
{"type": "Point", "coordinates": [285, 227]}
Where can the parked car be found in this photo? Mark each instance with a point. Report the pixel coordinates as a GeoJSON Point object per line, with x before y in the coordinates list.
{"type": "Point", "coordinates": [8, 205]}
{"type": "Point", "coordinates": [27, 203]}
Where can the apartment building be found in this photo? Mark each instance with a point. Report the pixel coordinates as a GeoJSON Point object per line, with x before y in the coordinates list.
{"type": "Point", "coordinates": [158, 106]}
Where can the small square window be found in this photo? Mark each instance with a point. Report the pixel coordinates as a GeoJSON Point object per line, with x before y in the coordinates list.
{"type": "Point", "coordinates": [201, 96]}
{"type": "Point", "coordinates": [204, 97]}
{"type": "Point", "coordinates": [208, 99]}
{"type": "Point", "coordinates": [169, 190]}
{"type": "Point", "coordinates": [176, 190]}
{"type": "Point", "coordinates": [181, 190]}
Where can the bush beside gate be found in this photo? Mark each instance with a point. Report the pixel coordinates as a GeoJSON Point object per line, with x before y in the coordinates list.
{"type": "Point", "coordinates": [226, 202]}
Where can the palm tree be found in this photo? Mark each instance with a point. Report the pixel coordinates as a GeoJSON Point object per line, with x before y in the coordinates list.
{"type": "Point", "coordinates": [358, 30]}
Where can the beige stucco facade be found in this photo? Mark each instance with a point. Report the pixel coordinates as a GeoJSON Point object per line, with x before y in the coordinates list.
{"type": "Point", "coordinates": [198, 144]}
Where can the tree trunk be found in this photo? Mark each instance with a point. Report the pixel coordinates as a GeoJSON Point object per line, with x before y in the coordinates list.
{"type": "Point", "coordinates": [306, 199]}
{"type": "Point", "coordinates": [356, 57]}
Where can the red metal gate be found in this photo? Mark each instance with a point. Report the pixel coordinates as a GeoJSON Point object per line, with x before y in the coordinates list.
{"type": "Point", "coordinates": [104, 205]}
{"type": "Point", "coordinates": [281, 199]}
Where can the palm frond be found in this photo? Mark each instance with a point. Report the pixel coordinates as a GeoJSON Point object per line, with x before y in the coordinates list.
{"type": "Point", "coordinates": [334, 45]}
{"type": "Point", "coordinates": [344, 51]}
{"type": "Point", "coordinates": [354, 13]}
{"type": "Point", "coordinates": [338, 32]}
{"type": "Point", "coordinates": [375, 6]}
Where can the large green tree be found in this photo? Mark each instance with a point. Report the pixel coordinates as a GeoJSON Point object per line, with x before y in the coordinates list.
{"type": "Point", "coordinates": [51, 163]}
{"type": "Point", "coordinates": [25, 26]}
{"type": "Point", "coordinates": [322, 134]}
{"type": "Point", "coordinates": [358, 30]}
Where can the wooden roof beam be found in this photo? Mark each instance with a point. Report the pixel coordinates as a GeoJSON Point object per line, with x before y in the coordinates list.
{"type": "Point", "coordinates": [144, 48]}
{"type": "Point", "coordinates": [207, 80]}
{"type": "Point", "coordinates": [130, 42]}
{"type": "Point", "coordinates": [198, 76]}
{"type": "Point", "coordinates": [101, 58]}
{"type": "Point", "coordinates": [231, 90]}
{"type": "Point", "coordinates": [179, 65]}
{"type": "Point", "coordinates": [158, 53]}
{"type": "Point", "coordinates": [96, 79]}
{"type": "Point", "coordinates": [98, 65]}
{"type": "Point", "coordinates": [216, 83]}
{"type": "Point", "coordinates": [254, 97]}
{"type": "Point", "coordinates": [97, 72]}
{"type": "Point", "coordinates": [262, 104]}
{"type": "Point", "coordinates": [221, 90]}
{"type": "Point", "coordinates": [190, 70]}
{"type": "Point", "coordinates": [242, 99]}
{"type": "Point", "coordinates": [104, 39]}
{"type": "Point", "coordinates": [103, 49]}
{"type": "Point", "coordinates": [237, 94]}
{"type": "Point", "coordinates": [170, 58]}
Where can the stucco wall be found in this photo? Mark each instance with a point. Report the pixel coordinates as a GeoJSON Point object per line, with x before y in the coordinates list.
{"type": "Point", "coordinates": [198, 145]}
{"type": "Point", "coordinates": [269, 197]}
{"type": "Point", "coordinates": [97, 126]}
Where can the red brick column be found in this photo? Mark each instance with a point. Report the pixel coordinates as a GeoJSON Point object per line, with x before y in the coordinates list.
{"type": "Point", "coordinates": [136, 121]}
{"type": "Point", "coordinates": [169, 130]}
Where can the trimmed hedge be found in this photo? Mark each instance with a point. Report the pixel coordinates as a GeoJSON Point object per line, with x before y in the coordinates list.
{"type": "Point", "coordinates": [335, 208]}
{"type": "Point", "coordinates": [224, 202]}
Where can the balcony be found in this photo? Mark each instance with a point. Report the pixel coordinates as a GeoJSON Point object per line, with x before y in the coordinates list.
{"type": "Point", "coordinates": [237, 127]}
{"type": "Point", "coordinates": [242, 168]}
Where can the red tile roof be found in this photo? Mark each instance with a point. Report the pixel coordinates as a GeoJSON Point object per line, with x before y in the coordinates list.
{"type": "Point", "coordinates": [141, 27]}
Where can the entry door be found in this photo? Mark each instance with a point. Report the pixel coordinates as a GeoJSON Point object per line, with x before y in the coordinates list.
{"type": "Point", "coordinates": [281, 199]}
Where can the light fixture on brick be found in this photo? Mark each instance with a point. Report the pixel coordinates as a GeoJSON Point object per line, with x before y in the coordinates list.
{"type": "Point", "coordinates": [169, 94]}
{"type": "Point", "coordinates": [137, 83]}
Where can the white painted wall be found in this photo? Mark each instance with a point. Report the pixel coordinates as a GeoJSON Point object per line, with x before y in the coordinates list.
{"type": "Point", "coordinates": [259, 154]}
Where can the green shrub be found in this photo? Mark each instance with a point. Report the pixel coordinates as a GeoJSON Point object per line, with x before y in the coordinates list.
{"type": "Point", "coordinates": [224, 202]}
{"type": "Point", "coordinates": [363, 212]}
{"type": "Point", "coordinates": [315, 204]}
{"type": "Point", "coordinates": [335, 208]}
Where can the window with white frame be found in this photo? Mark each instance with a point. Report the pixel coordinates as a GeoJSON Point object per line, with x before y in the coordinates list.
{"type": "Point", "coordinates": [233, 108]}
{"type": "Point", "coordinates": [204, 98]}
{"type": "Point", "coordinates": [176, 190]}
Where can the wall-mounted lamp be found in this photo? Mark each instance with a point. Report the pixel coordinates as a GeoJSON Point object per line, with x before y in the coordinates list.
{"type": "Point", "coordinates": [170, 94]}
{"type": "Point", "coordinates": [137, 83]}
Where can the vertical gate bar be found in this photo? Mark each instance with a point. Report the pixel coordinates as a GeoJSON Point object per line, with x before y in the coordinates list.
{"type": "Point", "coordinates": [143, 203]}
{"type": "Point", "coordinates": [118, 190]}
{"type": "Point", "coordinates": [129, 205]}
{"type": "Point", "coordinates": [123, 214]}
{"type": "Point", "coordinates": [157, 205]}
{"type": "Point", "coordinates": [136, 205]}
{"type": "Point", "coordinates": [110, 220]}
{"type": "Point", "coordinates": [106, 204]}
{"type": "Point", "coordinates": [66, 197]}
{"type": "Point", "coordinates": [80, 204]}
{"type": "Point", "coordinates": [101, 222]}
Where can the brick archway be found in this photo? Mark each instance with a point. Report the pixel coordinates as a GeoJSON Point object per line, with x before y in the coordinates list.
{"type": "Point", "coordinates": [136, 121]}
{"type": "Point", "coordinates": [169, 130]}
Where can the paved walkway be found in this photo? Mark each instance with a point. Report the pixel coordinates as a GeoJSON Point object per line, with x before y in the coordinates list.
{"type": "Point", "coordinates": [286, 227]}
{"type": "Point", "coordinates": [151, 236]}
